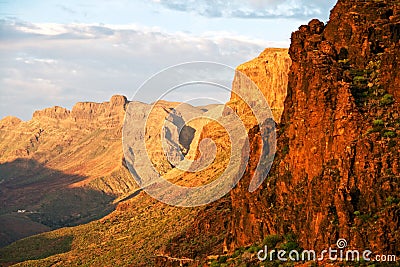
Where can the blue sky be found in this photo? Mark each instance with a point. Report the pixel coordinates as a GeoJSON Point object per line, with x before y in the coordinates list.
{"type": "Point", "coordinates": [61, 52]}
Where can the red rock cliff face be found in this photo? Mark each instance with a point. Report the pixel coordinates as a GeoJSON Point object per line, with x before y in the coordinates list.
{"type": "Point", "coordinates": [336, 174]}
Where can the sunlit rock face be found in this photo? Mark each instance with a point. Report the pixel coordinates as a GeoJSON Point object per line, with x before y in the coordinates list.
{"type": "Point", "coordinates": [269, 72]}
{"type": "Point", "coordinates": [337, 167]}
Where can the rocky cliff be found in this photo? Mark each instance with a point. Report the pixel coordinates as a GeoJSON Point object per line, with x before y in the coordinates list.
{"type": "Point", "coordinates": [269, 72]}
{"type": "Point", "coordinates": [337, 170]}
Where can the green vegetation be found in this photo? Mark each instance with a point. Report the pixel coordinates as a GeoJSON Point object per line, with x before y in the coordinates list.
{"type": "Point", "coordinates": [253, 249]}
{"type": "Point", "coordinates": [222, 259]}
{"type": "Point", "coordinates": [370, 130]}
{"type": "Point", "coordinates": [387, 99]}
{"type": "Point", "coordinates": [364, 217]}
{"type": "Point", "coordinates": [392, 200]}
{"type": "Point", "coordinates": [248, 256]}
{"type": "Point", "coordinates": [40, 247]}
{"type": "Point", "coordinates": [377, 123]}
{"type": "Point", "coordinates": [221, 262]}
{"type": "Point", "coordinates": [392, 144]}
{"type": "Point", "coordinates": [285, 150]}
{"type": "Point", "coordinates": [237, 253]}
{"type": "Point", "coordinates": [389, 134]}
{"type": "Point", "coordinates": [272, 240]}
{"type": "Point", "coordinates": [114, 240]}
{"type": "Point", "coordinates": [366, 85]}
{"type": "Point", "coordinates": [290, 245]}
{"type": "Point", "coordinates": [384, 129]}
{"type": "Point", "coordinates": [360, 80]}
{"type": "Point", "coordinates": [377, 126]}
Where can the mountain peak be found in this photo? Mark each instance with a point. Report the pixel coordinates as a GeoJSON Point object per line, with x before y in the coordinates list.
{"type": "Point", "coordinates": [118, 100]}
{"type": "Point", "coordinates": [9, 121]}
{"type": "Point", "coordinates": [269, 72]}
{"type": "Point", "coordinates": [55, 112]}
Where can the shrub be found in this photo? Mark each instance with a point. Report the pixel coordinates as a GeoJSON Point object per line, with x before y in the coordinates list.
{"type": "Point", "coordinates": [272, 240]}
{"type": "Point", "coordinates": [359, 80]}
{"type": "Point", "coordinates": [290, 237]}
{"type": "Point", "coordinates": [387, 99]}
{"type": "Point", "coordinates": [291, 245]}
{"type": "Point", "coordinates": [357, 72]}
{"type": "Point", "coordinates": [285, 150]}
{"type": "Point", "coordinates": [236, 253]}
{"type": "Point", "coordinates": [365, 217]}
{"type": "Point", "coordinates": [392, 200]}
{"type": "Point", "coordinates": [392, 143]}
{"type": "Point", "coordinates": [378, 123]}
{"type": "Point", "coordinates": [253, 249]}
{"type": "Point", "coordinates": [222, 259]}
{"type": "Point", "coordinates": [371, 130]}
{"type": "Point", "coordinates": [389, 134]}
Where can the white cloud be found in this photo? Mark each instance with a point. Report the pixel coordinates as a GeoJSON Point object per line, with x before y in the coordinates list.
{"type": "Point", "coordinates": [298, 9]}
{"type": "Point", "coordinates": [36, 60]}
{"type": "Point", "coordinates": [44, 65]}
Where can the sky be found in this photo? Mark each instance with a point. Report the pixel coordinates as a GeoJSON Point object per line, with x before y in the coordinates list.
{"type": "Point", "coordinates": [56, 52]}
